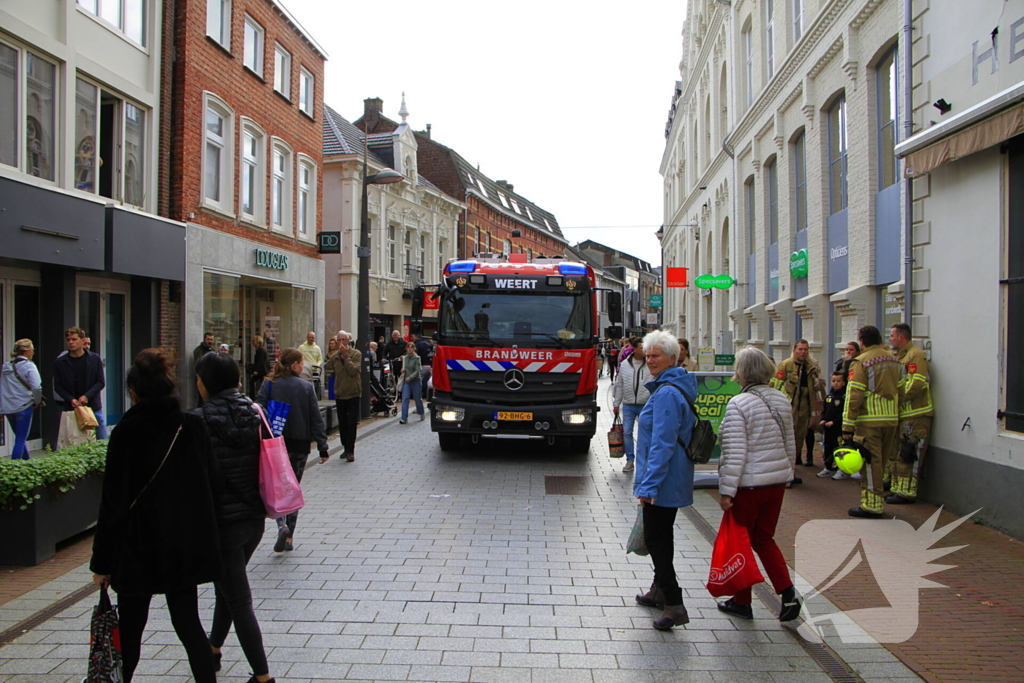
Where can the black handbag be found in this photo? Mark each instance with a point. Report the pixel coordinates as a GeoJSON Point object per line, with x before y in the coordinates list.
{"type": "Point", "coordinates": [702, 438]}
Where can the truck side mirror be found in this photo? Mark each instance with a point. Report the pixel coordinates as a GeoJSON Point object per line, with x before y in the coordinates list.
{"type": "Point", "coordinates": [615, 307]}
{"type": "Point", "coordinates": [613, 332]}
{"type": "Point", "coordinates": [417, 302]}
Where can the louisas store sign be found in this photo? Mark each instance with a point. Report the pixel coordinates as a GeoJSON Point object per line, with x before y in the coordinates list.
{"type": "Point", "coordinates": [798, 264]}
{"type": "Point", "coordinates": [715, 281]}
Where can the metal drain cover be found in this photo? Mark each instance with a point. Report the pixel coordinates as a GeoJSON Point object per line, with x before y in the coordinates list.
{"type": "Point", "coordinates": [566, 486]}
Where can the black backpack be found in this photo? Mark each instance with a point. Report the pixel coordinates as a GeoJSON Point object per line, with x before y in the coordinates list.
{"type": "Point", "coordinates": [702, 439]}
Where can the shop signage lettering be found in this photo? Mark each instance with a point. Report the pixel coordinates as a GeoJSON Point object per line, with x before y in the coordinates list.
{"type": "Point", "coordinates": [677, 277]}
{"type": "Point", "coordinates": [329, 242]}
{"type": "Point", "coordinates": [271, 259]}
{"type": "Point", "coordinates": [798, 263]}
{"type": "Point", "coordinates": [514, 354]}
{"type": "Point", "coordinates": [716, 281]}
{"type": "Point", "coordinates": [774, 274]}
{"type": "Point", "coordinates": [502, 283]}
{"type": "Point", "coordinates": [656, 300]}
{"type": "Point", "coordinates": [839, 252]}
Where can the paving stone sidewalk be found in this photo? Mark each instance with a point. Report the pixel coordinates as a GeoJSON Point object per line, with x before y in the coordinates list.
{"type": "Point", "coordinates": [412, 564]}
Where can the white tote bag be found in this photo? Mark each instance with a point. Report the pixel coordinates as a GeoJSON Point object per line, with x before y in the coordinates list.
{"type": "Point", "coordinates": [69, 434]}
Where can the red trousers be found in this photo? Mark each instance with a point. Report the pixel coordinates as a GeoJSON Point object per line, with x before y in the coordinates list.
{"type": "Point", "coordinates": [758, 510]}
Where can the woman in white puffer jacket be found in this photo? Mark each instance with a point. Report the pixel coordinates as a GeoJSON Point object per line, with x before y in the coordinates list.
{"type": "Point", "coordinates": [758, 460]}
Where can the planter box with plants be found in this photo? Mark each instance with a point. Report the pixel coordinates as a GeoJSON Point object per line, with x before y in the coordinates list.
{"type": "Point", "coordinates": [46, 500]}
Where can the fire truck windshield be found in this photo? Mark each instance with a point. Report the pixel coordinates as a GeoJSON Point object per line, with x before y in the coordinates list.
{"type": "Point", "coordinates": [533, 319]}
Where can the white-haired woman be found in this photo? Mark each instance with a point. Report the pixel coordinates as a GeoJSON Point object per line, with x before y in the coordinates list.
{"type": "Point", "coordinates": [664, 474]}
{"type": "Point", "coordinates": [21, 392]}
{"type": "Point", "coordinates": [758, 459]}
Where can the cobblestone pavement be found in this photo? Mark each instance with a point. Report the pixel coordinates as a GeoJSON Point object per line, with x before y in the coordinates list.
{"type": "Point", "coordinates": [411, 564]}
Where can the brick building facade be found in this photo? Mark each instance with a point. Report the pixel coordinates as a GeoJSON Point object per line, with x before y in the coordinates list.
{"type": "Point", "coordinates": [493, 210]}
{"type": "Point", "coordinates": [245, 87]}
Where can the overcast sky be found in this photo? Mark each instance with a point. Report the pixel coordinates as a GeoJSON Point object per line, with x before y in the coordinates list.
{"type": "Point", "coordinates": [565, 99]}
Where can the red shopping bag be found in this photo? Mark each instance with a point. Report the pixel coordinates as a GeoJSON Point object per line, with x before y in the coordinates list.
{"type": "Point", "coordinates": [733, 566]}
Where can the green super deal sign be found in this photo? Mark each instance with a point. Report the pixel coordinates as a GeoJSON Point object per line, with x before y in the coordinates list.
{"type": "Point", "coordinates": [714, 391]}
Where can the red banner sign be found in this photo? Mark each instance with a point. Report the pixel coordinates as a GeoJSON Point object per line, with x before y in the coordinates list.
{"type": "Point", "coordinates": [677, 277]}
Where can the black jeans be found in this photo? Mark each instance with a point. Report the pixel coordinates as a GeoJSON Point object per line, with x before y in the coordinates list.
{"type": "Point", "coordinates": [348, 418]}
{"type": "Point", "coordinates": [298, 466]}
{"type": "Point", "coordinates": [238, 541]}
{"type": "Point", "coordinates": [183, 604]}
{"type": "Point", "coordinates": [659, 525]}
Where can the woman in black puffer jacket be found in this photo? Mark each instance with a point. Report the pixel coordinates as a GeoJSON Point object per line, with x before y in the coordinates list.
{"type": "Point", "coordinates": [234, 427]}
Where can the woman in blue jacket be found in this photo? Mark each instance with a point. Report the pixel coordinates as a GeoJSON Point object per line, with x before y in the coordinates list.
{"type": "Point", "coordinates": [663, 482]}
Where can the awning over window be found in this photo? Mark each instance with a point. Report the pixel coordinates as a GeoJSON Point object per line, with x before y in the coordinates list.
{"type": "Point", "coordinates": [986, 133]}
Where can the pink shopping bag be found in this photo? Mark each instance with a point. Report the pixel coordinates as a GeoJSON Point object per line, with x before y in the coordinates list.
{"type": "Point", "coordinates": [279, 488]}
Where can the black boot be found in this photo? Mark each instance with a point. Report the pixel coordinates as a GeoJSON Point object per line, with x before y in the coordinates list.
{"type": "Point", "coordinates": [732, 607]}
{"type": "Point", "coordinates": [674, 615]}
{"type": "Point", "coordinates": [791, 602]}
{"type": "Point", "coordinates": [652, 598]}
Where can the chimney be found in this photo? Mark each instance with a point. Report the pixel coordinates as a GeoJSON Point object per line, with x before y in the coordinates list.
{"type": "Point", "coordinates": [506, 184]}
{"type": "Point", "coordinates": [428, 131]}
{"type": "Point", "coordinates": [372, 107]}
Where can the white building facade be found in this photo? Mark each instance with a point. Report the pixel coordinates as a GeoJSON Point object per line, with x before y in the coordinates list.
{"type": "Point", "coordinates": [779, 172]}
{"type": "Point", "coordinates": [968, 249]}
{"type": "Point", "coordinates": [412, 227]}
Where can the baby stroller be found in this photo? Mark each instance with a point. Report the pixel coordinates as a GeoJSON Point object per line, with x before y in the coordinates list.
{"type": "Point", "coordinates": [382, 402]}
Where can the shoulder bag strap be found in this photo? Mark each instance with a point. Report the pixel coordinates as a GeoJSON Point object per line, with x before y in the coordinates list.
{"type": "Point", "coordinates": [693, 408]}
{"type": "Point", "coordinates": [775, 414]}
{"type": "Point", "coordinates": [160, 467]}
{"type": "Point", "coordinates": [14, 368]}
{"type": "Point", "coordinates": [263, 417]}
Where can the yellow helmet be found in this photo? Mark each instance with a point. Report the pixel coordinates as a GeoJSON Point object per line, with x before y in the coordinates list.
{"type": "Point", "coordinates": [849, 460]}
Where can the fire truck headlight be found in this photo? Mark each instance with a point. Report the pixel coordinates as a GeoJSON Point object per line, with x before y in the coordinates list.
{"type": "Point", "coordinates": [577, 416]}
{"type": "Point", "coordinates": [451, 414]}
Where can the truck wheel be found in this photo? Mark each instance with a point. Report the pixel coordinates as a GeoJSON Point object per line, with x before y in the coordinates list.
{"type": "Point", "coordinates": [579, 444]}
{"type": "Point", "coordinates": [448, 441]}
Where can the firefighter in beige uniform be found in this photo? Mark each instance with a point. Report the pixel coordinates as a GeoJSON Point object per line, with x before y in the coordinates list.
{"type": "Point", "coordinates": [797, 378]}
{"type": "Point", "coordinates": [871, 416]}
{"type": "Point", "coordinates": [915, 416]}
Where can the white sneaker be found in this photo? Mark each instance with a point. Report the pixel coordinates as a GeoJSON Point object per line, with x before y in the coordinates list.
{"type": "Point", "coordinates": [840, 475]}
{"type": "Point", "coordinates": [855, 476]}
{"type": "Point", "coordinates": [825, 473]}
{"type": "Point", "coordinates": [628, 467]}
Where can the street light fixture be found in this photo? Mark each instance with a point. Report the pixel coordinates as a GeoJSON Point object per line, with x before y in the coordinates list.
{"type": "Point", "coordinates": [385, 177]}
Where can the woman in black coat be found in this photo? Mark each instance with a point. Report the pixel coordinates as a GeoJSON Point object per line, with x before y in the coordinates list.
{"type": "Point", "coordinates": [234, 428]}
{"type": "Point", "coordinates": [157, 528]}
{"type": "Point", "coordinates": [258, 368]}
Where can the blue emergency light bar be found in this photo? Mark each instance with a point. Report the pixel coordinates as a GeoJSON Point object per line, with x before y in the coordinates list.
{"type": "Point", "coordinates": [572, 269]}
{"type": "Point", "coordinates": [462, 267]}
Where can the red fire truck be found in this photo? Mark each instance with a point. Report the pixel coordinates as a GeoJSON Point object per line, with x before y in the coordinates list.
{"type": "Point", "coordinates": [516, 354]}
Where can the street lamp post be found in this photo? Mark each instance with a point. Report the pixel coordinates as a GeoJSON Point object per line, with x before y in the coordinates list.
{"type": "Point", "coordinates": [385, 177]}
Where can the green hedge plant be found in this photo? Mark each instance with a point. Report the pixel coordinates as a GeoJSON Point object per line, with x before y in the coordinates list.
{"type": "Point", "coordinates": [20, 480]}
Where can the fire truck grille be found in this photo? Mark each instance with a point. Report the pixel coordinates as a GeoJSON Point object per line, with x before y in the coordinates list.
{"type": "Point", "coordinates": [489, 387]}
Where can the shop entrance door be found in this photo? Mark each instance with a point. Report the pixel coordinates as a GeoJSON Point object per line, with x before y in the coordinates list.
{"type": "Point", "coordinates": [19, 319]}
{"type": "Point", "coordinates": [103, 314]}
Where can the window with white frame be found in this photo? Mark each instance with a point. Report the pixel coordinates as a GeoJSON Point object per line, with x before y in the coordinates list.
{"type": "Point", "coordinates": [408, 250]}
{"type": "Point", "coordinates": [307, 88]}
{"type": "Point", "coordinates": [113, 130]}
{"type": "Point", "coordinates": [748, 203]}
{"type": "Point", "coordinates": [218, 154]}
{"type": "Point", "coordinates": [127, 16]}
{"type": "Point", "coordinates": [392, 251]}
{"type": "Point", "coordinates": [281, 186]}
{"type": "Point", "coordinates": [307, 197]}
{"type": "Point", "coordinates": [282, 71]}
{"type": "Point", "coordinates": [423, 251]}
{"type": "Point", "coordinates": [218, 21]}
{"type": "Point", "coordinates": [837, 155]}
{"type": "Point", "coordinates": [769, 37]}
{"type": "Point", "coordinates": [798, 19]}
{"type": "Point", "coordinates": [508, 247]}
{"type": "Point", "coordinates": [252, 57]}
{"type": "Point", "coordinates": [440, 255]}
{"type": "Point", "coordinates": [28, 95]}
{"type": "Point", "coordinates": [887, 102]}
{"type": "Point", "coordinates": [748, 62]}
{"type": "Point", "coordinates": [772, 171]}
{"type": "Point", "coordinates": [254, 173]}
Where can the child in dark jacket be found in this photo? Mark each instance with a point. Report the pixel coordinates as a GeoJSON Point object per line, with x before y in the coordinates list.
{"type": "Point", "coordinates": [832, 421]}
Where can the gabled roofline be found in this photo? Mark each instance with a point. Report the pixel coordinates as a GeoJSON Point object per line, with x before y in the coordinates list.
{"type": "Point", "coordinates": [299, 27]}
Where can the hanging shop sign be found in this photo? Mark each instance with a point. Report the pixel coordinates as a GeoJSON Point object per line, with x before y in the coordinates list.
{"type": "Point", "coordinates": [715, 281]}
{"type": "Point", "coordinates": [271, 259]}
{"type": "Point", "coordinates": [328, 243]}
{"type": "Point", "coordinates": [677, 277]}
{"type": "Point", "coordinates": [656, 301]}
{"type": "Point", "coordinates": [798, 263]}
